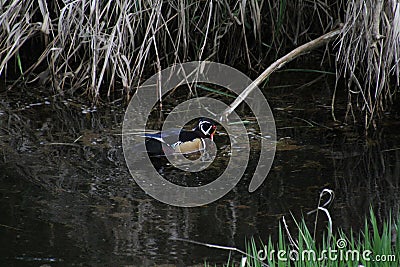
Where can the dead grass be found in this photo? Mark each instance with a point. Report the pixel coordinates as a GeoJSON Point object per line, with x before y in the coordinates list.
{"type": "Point", "coordinates": [101, 48]}
{"type": "Point", "coordinates": [368, 56]}
{"type": "Point", "coordinates": [93, 45]}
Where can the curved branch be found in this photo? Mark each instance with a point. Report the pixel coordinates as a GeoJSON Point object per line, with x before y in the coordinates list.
{"type": "Point", "coordinates": [279, 64]}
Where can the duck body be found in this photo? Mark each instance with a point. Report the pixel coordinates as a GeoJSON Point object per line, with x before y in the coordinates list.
{"type": "Point", "coordinates": [164, 143]}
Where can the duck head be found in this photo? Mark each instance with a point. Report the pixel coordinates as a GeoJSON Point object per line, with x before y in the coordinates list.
{"type": "Point", "coordinates": [206, 129]}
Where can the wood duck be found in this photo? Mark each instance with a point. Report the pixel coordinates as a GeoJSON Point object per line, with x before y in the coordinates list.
{"type": "Point", "coordinates": [189, 141]}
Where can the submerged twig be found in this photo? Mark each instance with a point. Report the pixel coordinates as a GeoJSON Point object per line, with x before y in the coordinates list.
{"type": "Point", "coordinates": [214, 246]}
{"type": "Point", "coordinates": [331, 195]}
{"type": "Point", "coordinates": [211, 245]}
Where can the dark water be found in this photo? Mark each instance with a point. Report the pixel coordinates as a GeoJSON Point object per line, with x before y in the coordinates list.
{"type": "Point", "coordinates": [66, 197]}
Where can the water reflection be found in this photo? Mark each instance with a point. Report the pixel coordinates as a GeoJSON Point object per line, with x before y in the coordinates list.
{"type": "Point", "coordinates": [66, 195]}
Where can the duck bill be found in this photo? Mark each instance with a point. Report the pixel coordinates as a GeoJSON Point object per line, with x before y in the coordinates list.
{"type": "Point", "coordinates": [213, 132]}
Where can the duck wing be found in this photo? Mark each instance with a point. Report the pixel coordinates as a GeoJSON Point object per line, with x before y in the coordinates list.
{"type": "Point", "coordinates": [169, 136]}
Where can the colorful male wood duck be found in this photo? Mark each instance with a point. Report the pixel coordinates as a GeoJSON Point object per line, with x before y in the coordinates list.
{"type": "Point", "coordinates": [188, 141]}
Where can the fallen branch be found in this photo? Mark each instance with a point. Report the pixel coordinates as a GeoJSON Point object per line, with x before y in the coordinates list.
{"type": "Point", "coordinates": [279, 64]}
